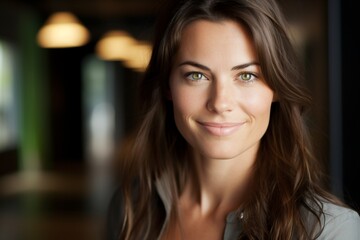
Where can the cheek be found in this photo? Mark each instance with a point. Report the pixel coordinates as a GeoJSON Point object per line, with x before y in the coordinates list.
{"type": "Point", "coordinates": [260, 104]}
{"type": "Point", "coordinates": [180, 105]}
{"type": "Point", "coordinates": [186, 100]}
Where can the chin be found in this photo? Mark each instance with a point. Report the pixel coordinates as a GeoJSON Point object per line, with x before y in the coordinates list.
{"type": "Point", "coordinates": [220, 155]}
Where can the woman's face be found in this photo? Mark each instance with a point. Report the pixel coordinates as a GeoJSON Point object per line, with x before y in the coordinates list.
{"type": "Point", "coordinates": [220, 99]}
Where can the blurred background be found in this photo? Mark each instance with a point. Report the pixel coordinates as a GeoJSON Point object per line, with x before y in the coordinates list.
{"type": "Point", "coordinates": [68, 75]}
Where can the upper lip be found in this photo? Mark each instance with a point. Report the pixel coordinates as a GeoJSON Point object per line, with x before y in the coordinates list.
{"type": "Point", "coordinates": [222, 124]}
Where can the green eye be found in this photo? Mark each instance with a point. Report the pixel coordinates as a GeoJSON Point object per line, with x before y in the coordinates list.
{"type": "Point", "coordinates": [246, 76]}
{"type": "Point", "coordinates": [195, 76]}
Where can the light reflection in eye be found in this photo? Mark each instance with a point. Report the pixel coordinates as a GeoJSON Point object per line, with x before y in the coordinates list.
{"type": "Point", "coordinates": [195, 76]}
{"type": "Point", "coordinates": [246, 76]}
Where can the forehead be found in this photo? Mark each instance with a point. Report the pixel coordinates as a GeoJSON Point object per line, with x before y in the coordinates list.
{"type": "Point", "coordinates": [216, 42]}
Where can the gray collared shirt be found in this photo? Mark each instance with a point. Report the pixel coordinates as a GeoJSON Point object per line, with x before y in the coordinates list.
{"type": "Point", "coordinates": [339, 223]}
{"type": "Point", "coordinates": [233, 226]}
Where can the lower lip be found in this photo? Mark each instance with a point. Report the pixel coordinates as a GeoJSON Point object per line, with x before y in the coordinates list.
{"type": "Point", "coordinates": [221, 131]}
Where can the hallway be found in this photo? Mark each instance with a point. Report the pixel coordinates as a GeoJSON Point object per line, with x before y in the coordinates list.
{"type": "Point", "coordinates": [51, 206]}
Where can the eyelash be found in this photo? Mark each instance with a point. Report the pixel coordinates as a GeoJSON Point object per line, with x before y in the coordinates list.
{"type": "Point", "coordinates": [253, 77]}
{"type": "Point", "coordinates": [190, 74]}
{"type": "Point", "coordinates": [240, 76]}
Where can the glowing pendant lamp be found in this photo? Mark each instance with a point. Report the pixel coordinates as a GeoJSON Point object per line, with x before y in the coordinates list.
{"type": "Point", "coordinates": [139, 56]}
{"type": "Point", "coordinates": [62, 30]}
{"type": "Point", "coordinates": [114, 45]}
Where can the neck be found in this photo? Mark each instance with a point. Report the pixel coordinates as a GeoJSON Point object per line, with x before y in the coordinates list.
{"type": "Point", "coordinates": [218, 184]}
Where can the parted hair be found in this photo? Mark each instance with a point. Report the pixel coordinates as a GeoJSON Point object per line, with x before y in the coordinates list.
{"type": "Point", "coordinates": [287, 175]}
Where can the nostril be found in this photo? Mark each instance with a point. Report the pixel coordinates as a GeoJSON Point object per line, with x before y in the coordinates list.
{"type": "Point", "coordinates": [209, 107]}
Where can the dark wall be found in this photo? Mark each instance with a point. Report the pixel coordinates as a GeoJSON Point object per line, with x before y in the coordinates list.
{"type": "Point", "coordinates": [351, 101]}
{"type": "Point", "coordinates": [66, 127]}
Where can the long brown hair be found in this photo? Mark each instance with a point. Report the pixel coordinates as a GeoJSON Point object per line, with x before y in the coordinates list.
{"type": "Point", "coordinates": [287, 175]}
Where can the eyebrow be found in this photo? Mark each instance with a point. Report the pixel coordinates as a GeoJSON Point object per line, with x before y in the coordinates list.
{"type": "Point", "coordinates": [237, 67]}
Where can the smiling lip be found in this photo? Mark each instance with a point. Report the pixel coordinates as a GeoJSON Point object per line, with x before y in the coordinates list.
{"type": "Point", "coordinates": [220, 129]}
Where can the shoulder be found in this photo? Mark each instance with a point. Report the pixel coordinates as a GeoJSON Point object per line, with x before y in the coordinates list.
{"type": "Point", "coordinates": [336, 222]}
{"type": "Point", "coordinates": [340, 222]}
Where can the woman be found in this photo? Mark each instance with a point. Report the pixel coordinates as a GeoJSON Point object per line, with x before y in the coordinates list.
{"type": "Point", "coordinates": [222, 151]}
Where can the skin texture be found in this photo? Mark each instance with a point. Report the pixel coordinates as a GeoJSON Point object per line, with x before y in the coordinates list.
{"type": "Point", "coordinates": [222, 108]}
{"type": "Point", "coordinates": [218, 111]}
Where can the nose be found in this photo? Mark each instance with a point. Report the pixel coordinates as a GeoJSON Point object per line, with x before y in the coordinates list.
{"type": "Point", "coordinates": [221, 97]}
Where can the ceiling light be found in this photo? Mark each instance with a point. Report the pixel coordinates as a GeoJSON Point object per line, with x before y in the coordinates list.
{"type": "Point", "coordinates": [62, 30]}
{"type": "Point", "coordinates": [139, 56]}
{"type": "Point", "coordinates": [114, 45]}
